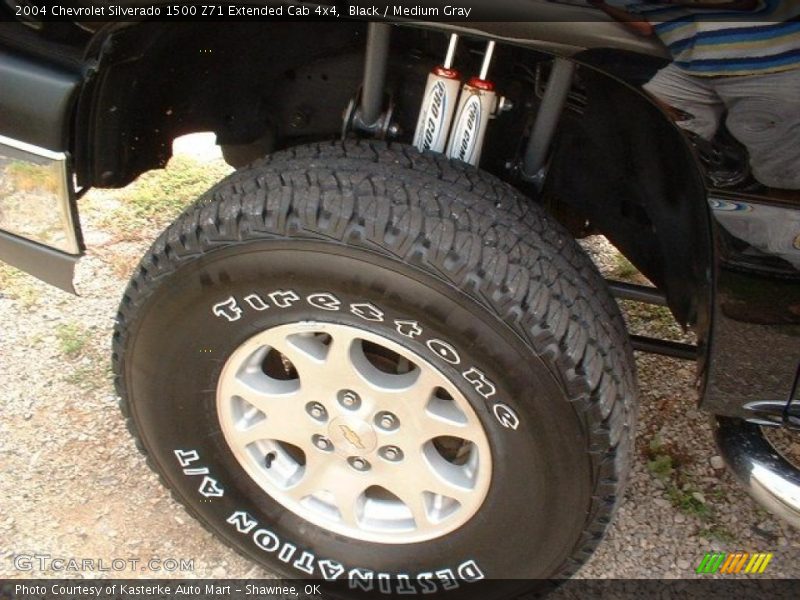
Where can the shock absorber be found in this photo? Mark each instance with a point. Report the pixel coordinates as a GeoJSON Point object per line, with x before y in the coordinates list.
{"type": "Point", "coordinates": [476, 107]}
{"type": "Point", "coordinates": [438, 104]}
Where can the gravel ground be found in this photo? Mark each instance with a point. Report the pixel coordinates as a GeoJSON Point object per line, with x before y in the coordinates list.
{"type": "Point", "coordinates": [73, 485]}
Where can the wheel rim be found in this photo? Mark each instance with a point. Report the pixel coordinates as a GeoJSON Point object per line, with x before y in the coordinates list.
{"type": "Point", "coordinates": [354, 433]}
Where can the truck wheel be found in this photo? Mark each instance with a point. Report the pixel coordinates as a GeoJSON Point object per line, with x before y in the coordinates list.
{"type": "Point", "coordinates": [356, 362]}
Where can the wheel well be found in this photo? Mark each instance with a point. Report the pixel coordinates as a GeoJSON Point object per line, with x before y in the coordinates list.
{"type": "Point", "coordinates": [157, 81]}
{"type": "Point", "coordinates": [617, 161]}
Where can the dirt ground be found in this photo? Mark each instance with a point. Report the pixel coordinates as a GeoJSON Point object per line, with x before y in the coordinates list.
{"type": "Point", "coordinates": [73, 485]}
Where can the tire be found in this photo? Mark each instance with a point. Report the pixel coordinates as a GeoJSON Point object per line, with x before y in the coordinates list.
{"type": "Point", "coordinates": [447, 280]}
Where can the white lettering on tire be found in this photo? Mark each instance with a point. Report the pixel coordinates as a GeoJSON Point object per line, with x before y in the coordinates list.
{"type": "Point", "coordinates": [210, 488]}
{"type": "Point", "coordinates": [243, 522]}
{"type": "Point", "coordinates": [506, 415]}
{"type": "Point", "coordinates": [358, 578]}
{"type": "Point", "coordinates": [469, 571]}
{"type": "Point", "coordinates": [283, 299]}
{"type": "Point", "coordinates": [367, 311]}
{"type": "Point", "coordinates": [186, 457]}
{"type": "Point", "coordinates": [331, 570]}
{"type": "Point", "coordinates": [444, 351]}
{"type": "Point", "coordinates": [227, 308]}
{"type": "Point", "coordinates": [256, 302]}
{"type": "Point", "coordinates": [409, 329]}
{"type": "Point", "coordinates": [324, 301]}
{"type": "Point", "coordinates": [478, 380]}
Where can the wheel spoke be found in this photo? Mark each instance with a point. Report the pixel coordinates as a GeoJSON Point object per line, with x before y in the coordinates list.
{"type": "Point", "coordinates": [270, 397]}
{"type": "Point", "coordinates": [347, 501]}
{"type": "Point", "coordinates": [276, 429]}
{"type": "Point", "coordinates": [414, 499]}
{"type": "Point", "coordinates": [431, 427]}
{"type": "Point", "coordinates": [317, 473]}
{"type": "Point", "coordinates": [305, 352]}
{"type": "Point", "coordinates": [437, 476]}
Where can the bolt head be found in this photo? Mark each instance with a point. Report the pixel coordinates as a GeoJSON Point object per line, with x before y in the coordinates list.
{"type": "Point", "coordinates": [387, 421]}
{"type": "Point", "coordinates": [317, 411]}
{"type": "Point", "coordinates": [391, 453]}
{"type": "Point", "coordinates": [358, 463]}
{"type": "Point", "coordinates": [322, 443]}
{"type": "Point", "coordinates": [349, 399]}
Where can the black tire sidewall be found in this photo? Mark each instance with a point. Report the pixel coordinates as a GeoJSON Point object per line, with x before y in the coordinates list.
{"type": "Point", "coordinates": [541, 486]}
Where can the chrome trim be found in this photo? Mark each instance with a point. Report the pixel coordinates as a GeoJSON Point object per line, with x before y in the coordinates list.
{"type": "Point", "coordinates": [35, 201]}
{"type": "Point", "coordinates": [771, 479]}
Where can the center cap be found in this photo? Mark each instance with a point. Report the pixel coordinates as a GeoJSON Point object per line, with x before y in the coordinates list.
{"type": "Point", "coordinates": [352, 437]}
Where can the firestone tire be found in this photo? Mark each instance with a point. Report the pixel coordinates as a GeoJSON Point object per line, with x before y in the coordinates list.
{"type": "Point", "coordinates": [447, 270]}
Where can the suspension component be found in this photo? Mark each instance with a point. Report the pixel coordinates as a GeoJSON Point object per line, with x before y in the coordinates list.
{"type": "Point", "coordinates": [477, 105]}
{"type": "Point", "coordinates": [438, 104]}
{"type": "Point", "coordinates": [366, 114]}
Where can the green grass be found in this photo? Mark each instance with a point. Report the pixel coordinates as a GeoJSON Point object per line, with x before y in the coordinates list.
{"type": "Point", "coordinates": [90, 377]}
{"type": "Point", "coordinates": [685, 501]}
{"type": "Point", "coordinates": [72, 339]}
{"type": "Point", "coordinates": [18, 286]}
{"type": "Point", "coordinates": [157, 197]}
{"type": "Point", "coordinates": [623, 268]}
{"type": "Point", "coordinates": [668, 463]}
{"type": "Point", "coordinates": [719, 533]}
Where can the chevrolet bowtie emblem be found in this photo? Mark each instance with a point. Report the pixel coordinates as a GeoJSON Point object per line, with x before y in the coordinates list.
{"type": "Point", "coordinates": [352, 437]}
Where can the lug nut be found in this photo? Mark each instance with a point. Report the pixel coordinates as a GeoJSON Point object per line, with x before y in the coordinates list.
{"type": "Point", "coordinates": [323, 443]}
{"type": "Point", "coordinates": [387, 421]}
{"type": "Point", "coordinates": [391, 453]}
{"type": "Point", "coordinates": [317, 411]}
{"type": "Point", "coordinates": [358, 463]}
{"type": "Point", "coordinates": [349, 399]}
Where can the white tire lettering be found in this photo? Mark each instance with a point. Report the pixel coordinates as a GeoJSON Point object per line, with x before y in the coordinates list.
{"type": "Point", "coordinates": [361, 579]}
{"type": "Point", "coordinates": [448, 579]}
{"type": "Point", "coordinates": [409, 329]}
{"type": "Point", "coordinates": [470, 572]}
{"type": "Point", "coordinates": [444, 351]}
{"type": "Point", "coordinates": [283, 299]}
{"type": "Point", "coordinates": [384, 583]}
{"type": "Point", "coordinates": [227, 308]}
{"type": "Point", "coordinates": [305, 563]}
{"type": "Point", "coordinates": [479, 381]}
{"type": "Point", "coordinates": [187, 457]}
{"type": "Point", "coordinates": [243, 522]}
{"type": "Point", "coordinates": [368, 312]}
{"type": "Point", "coordinates": [287, 551]}
{"type": "Point", "coordinates": [324, 301]}
{"type": "Point", "coordinates": [210, 488]}
{"type": "Point", "coordinates": [426, 583]}
{"type": "Point", "coordinates": [404, 584]}
{"type": "Point", "coordinates": [198, 471]}
{"type": "Point", "coordinates": [266, 540]}
{"type": "Point", "coordinates": [330, 569]}
{"type": "Point", "coordinates": [256, 302]}
{"type": "Point", "coordinates": [506, 415]}
{"type": "Point", "coordinates": [358, 578]}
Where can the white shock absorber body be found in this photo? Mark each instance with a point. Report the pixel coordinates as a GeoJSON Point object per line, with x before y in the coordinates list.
{"type": "Point", "coordinates": [438, 104]}
{"type": "Point", "coordinates": [477, 105]}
